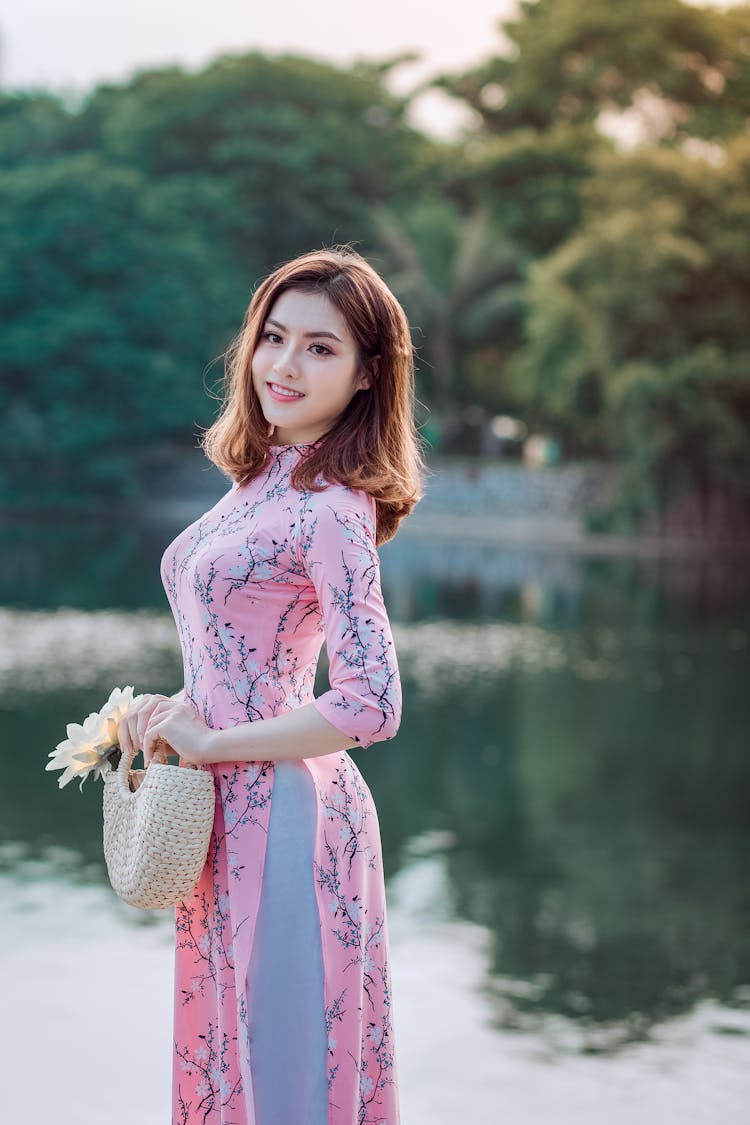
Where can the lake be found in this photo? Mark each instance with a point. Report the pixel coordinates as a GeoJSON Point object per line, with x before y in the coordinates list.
{"type": "Point", "coordinates": [564, 815]}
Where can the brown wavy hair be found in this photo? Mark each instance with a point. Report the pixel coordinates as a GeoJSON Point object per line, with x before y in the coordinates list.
{"type": "Point", "coordinates": [375, 444]}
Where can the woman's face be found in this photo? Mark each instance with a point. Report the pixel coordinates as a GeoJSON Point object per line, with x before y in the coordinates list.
{"type": "Point", "coordinates": [305, 346]}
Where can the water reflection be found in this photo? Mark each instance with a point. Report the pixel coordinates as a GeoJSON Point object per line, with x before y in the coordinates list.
{"type": "Point", "coordinates": [570, 776]}
{"type": "Point", "coordinates": [61, 926]}
{"type": "Point", "coordinates": [41, 567]}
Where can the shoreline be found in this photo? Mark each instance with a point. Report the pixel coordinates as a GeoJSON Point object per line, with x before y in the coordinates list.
{"type": "Point", "coordinates": [538, 531]}
{"type": "Point", "coordinates": [551, 533]}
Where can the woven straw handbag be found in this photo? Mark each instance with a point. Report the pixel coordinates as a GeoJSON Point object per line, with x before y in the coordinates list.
{"type": "Point", "coordinates": [157, 828]}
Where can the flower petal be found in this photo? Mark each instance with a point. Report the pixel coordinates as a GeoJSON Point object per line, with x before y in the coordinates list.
{"type": "Point", "coordinates": [88, 757]}
{"type": "Point", "coordinates": [70, 772]}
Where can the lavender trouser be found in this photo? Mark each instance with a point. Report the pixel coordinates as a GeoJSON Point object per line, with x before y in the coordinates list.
{"type": "Point", "coordinates": [288, 1047]}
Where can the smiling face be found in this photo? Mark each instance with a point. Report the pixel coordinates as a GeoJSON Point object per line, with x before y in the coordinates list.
{"type": "Point", "coordinates": [305, 346]}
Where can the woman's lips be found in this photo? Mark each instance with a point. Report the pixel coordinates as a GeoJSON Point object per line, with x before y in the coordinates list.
{"type": "Point", "coordinates": [281, 397]}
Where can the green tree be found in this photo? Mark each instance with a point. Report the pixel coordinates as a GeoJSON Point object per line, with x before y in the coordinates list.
{"type": "Point", "coordinates": [112, 302]}
{"type": "Point", "coordinates": [134, 228]}
{"type": "Point", "coordinates": [461, 281]}
{"type": "Point", "coordinates": [32, 127]}
{"type": "Point", "coordinates": [636, 335]}
{"type": "Point", "coordinates": [566, 61]}
{"type": "Point", "coordinates": [530, 182]}
{"type": "Point", "coordinates": [303, 149]}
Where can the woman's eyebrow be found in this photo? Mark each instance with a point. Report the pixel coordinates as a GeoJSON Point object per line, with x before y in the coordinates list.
{"type": "Point", "coordinates": [333, 336]}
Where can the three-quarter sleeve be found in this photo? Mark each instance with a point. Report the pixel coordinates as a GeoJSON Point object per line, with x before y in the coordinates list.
{"type": "Point", "coordinates": [340, 557]}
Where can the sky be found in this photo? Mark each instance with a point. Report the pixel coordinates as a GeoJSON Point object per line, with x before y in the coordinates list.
{"type": "Point", "coordinates": [71, 46]}
{"type": "Point", "coordinates": [68, 46]}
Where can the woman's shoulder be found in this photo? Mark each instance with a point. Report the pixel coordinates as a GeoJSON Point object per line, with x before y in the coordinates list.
{"type": "Point", "coordinates": [340, 509]}
{"type": "Point", "coordinates": [338, 495]}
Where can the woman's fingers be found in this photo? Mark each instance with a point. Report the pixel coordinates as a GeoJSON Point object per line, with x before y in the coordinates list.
{"type": "Point", "coordinates": [128, 731]}
{"type": "Point", "coordinates": [154, 746]}
{"type": "Point", "coordinates": [158, 752]}
{"type": "Point", "coordinates": [159, 706]}
{"type": "Point", "coordinates": [133, 724]}
{"type": "Point", "coordinates": [124, 736]}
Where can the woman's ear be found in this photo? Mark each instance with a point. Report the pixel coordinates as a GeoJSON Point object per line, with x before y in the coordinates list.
{"type": "Point", "coordinates": [368, 376]}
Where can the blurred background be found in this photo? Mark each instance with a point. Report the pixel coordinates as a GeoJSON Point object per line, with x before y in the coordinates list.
{"type": "Point", "coordinates": [559, 194]}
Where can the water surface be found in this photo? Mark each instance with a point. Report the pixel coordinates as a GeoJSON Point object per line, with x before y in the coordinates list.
{"type": "Point", "coordinates": [564, 817]}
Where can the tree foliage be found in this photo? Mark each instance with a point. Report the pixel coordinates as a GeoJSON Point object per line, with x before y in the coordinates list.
{"type": "Point", "coordinates": [567, 61]}
{"type": "Point", "coordinates": [636, 331]}
{"type": "Point", "coordinates": [134, 229]}
{"type": "Point", "coordinates": [633, 323]}
{"type": "Point", "coordinates": [462, 285]}
{"type": "Point", "coordinates": [108, 296]}
{"type": "Point", "coordinates": [545, 269]}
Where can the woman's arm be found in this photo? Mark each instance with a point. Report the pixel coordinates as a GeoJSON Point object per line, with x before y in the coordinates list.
{"type": "Point", "coordinates": [302, 733]}
{"type": "Point", "coordinates": [363, 703]}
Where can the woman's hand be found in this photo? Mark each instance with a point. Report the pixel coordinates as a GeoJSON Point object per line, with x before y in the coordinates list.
{"type": "Point", "coordinates": [176, 727]}
{"type": "Point", "coordinates": [132, 728]}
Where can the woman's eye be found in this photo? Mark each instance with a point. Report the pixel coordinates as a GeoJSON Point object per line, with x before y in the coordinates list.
{"type": "Point", "coordinates": [269, 334]}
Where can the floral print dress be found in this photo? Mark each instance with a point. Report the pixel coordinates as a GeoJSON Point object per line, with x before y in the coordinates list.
{"type": "Point", "coordinates": [255, 585]}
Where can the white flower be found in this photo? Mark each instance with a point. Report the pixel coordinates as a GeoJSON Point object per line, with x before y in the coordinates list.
{"type": "Point", "coordinates": [88, 747]}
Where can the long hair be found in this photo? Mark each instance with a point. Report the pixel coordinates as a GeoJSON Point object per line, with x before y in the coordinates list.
{"type": "Point", "coordinates": [374, 445]}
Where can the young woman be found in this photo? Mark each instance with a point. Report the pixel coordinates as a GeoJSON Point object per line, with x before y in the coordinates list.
{"type": "Point", "coordinates": [283, 1006]}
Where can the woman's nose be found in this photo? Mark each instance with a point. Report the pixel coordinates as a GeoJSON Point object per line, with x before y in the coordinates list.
{"type": "Point", "coordinates": [286, 362]}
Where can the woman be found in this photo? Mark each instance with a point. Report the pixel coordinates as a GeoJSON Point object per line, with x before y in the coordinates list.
{"type": "Point", "coordinates": [283, 1007]}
